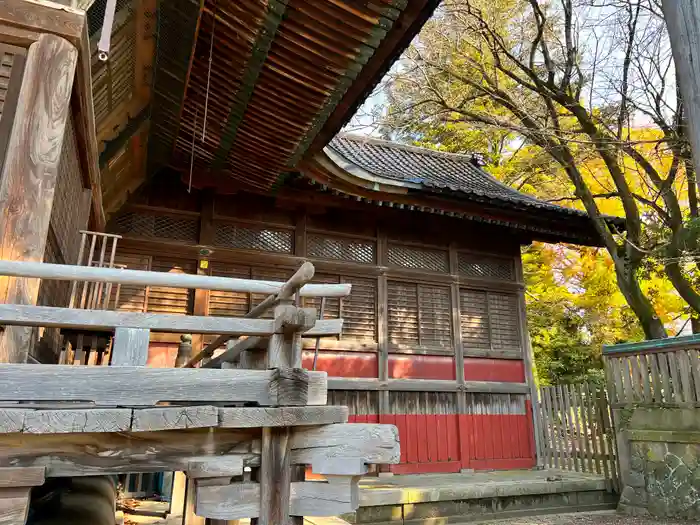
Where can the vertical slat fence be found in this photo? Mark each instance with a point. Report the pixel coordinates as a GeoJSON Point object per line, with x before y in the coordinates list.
{"type": "Point", "coordinates": [577, 429]}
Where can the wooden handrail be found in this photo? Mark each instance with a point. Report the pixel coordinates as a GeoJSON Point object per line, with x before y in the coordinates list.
{"type": "Point", "coordinates": [301, 277]}
{"type": "Point", "coordinates": [65, 272]}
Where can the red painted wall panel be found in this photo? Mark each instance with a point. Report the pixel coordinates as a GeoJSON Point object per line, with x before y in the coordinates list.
{"type": "Point", "coordinates": [421, 367]}
{"type": "Point", "coordinates": [447, 443]}
{"type": "Point", "coordinates": [483, 369]}
{"type": "Point", "coordinates": [343, 364]}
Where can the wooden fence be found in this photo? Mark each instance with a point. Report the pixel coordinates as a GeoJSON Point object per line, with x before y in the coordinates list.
{"type": "Point", "coordinates": [577, 432]}
{"type": "Point", "coordinates": [655, 373]}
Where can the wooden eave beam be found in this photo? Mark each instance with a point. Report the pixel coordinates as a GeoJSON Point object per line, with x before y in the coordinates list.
{"type": "Point", "coordinates": [406, 26]}
{"type": "Point", "coordinates": [29, 19]}
{"type": "Point", "coordinates": [266, 35]}
{"type": "Point", "coordinates": [539, 228]}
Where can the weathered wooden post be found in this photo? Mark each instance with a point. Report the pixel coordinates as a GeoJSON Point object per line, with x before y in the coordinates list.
{"type": "Point", "coordinates": [29, 174]}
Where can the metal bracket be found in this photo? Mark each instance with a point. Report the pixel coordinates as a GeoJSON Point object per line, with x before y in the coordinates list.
{"type": "Point", "coordinates": [106, 34]}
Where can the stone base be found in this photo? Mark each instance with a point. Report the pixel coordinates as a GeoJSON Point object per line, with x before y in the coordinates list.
{"type": "Point", "coordinates": [663, 480]}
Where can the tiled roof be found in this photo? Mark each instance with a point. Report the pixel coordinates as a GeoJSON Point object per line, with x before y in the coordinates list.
{"type": "Point", "coordinates": [433, 170]}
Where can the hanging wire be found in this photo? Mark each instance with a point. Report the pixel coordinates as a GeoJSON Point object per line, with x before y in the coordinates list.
{"type": "Point", "coordinates": [194, 133]}
{"type": "Point", "coordinates": [206, 100]}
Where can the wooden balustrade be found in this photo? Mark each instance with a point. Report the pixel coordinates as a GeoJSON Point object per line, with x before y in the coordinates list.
{"type": "Point", "coordinates": [62, 420]}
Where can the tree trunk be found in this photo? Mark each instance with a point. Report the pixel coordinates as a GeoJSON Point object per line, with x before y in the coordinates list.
{"type": "Point", "coordinates": [640, 304]}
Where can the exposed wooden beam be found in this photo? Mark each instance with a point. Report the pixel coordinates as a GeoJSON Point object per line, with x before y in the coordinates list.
{"type": "Point", "coordinates": [44, 17]}
{"type": "Point", "coordinates": [266, 34]}
{"type": "Point", "coordinates": [414, 14]}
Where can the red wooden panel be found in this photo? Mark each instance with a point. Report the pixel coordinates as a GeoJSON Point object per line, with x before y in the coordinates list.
{"type": "Point", "coordinates": [411, 438]}
{"type": "Point", "coordinates": [426, 468]}
{"type": "Point", "coordinates": [479, 439]}
{"type": "Point", "coordinates": [432, 428]}
{"type": "Point", "coordinates": [483, 369]}
{"type": "Point", "coordinates": [403, 436]}
{"type": "Point", "coordinates": [515, 436]}
{"type": "Point", "coordinates": [488, 435]}
{"type": "Point", "coordinates": [530, 428]}
{"type": "Point", "coordinates": [442, 438]}
{"type": "Point", "coordinates": [421, 367]}
{"type": "Point", "coordinates": [422, 435]}
{"type": "Point", "coordinates": [452, 437]}
{"type": "Point", "coordinates": [523, 439]}
{"type": "Point", "coordinates": [162, 355]}
{"type": "Point", "coordinates": [373, 418]}
{"type": "Point", "coordinates": [343, 364]}
{"type": "Point", "coordinates": [360, 418]}
{"type": "Point", "coordinates": [465, 434]}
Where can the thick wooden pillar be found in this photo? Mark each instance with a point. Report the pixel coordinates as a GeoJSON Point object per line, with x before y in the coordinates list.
{"type": "Point", "coordinates": [28, 178]}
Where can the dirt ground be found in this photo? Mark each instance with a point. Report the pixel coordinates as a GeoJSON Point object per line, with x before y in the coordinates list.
{"type": "Point", "coordinates": [590, 518]}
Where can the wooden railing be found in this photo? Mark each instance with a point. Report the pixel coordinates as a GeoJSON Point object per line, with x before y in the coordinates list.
{"type": "Point", "coordinates": [664, 372]}
{"type": "Point", "coordinates": [271, 417]}
{"type": "Point", "coordinates": [577, 431]}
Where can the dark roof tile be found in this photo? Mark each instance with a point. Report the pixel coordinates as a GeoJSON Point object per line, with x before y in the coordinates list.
{"type": "Point", "coordinates": [433, 170]}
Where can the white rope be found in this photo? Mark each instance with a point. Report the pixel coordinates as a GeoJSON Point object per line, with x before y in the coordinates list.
{"type": "Point", "coordinates": [194, 129]}
{"type": "Point", "coordinates": [206, 100]}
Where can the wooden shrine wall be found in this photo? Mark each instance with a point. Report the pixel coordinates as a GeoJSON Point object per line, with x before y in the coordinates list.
{"type": "Point", "coordinates": [428, 293]}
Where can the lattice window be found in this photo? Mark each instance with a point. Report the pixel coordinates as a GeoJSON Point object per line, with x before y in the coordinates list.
{"type": "Point", "coordinates": [485, 267]}
{"type": "Point", "coordinates": [489, 320]}
{"type": "Point", "coordinates": [265, 239]}
{"type": "Point", "coordinates": [418, 258]}
{"type": "Point", "coordinates": [340, 248]}
{"type": "Point", "coordinates": [419, 315]}
{"type": "Point", "coordinates": [358, 310]}
{"type": "Point", "coordinates": [158, 226]}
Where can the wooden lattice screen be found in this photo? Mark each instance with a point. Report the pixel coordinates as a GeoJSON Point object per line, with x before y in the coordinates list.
{"type": "Point", "coordinates": [418, 258]}
{"type": "Point", "coordinates": [485, 267]}
{"type": "Point", "coordinates": [341, 248]}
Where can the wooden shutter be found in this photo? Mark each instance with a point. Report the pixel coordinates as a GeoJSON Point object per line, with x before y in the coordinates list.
{"type": "Point", "coordinates": [332, 309]}
{"type": "Point", "coordinates": [403, 313]}
{"type": "Point", "coordinates": [505, 321]}
{"type": "Point", "coordinates": [490, 322]}
{"type": "Point", "coordinates": [474, 320]}
{"type": "Point", "coordinates": [435, 325]}
{"type": "Point", "coordinates": [166, 300]}
{"type": "Point", "coordinates": [11, 70]}
{"type": "Point", "coordinates": [128, 298]}
{"type": "Point", "coordinates": [359, 309]}
{"type": "Point", "coordinates": [229, 304]}
{"type": "Point", "coordinates": [419, 315]}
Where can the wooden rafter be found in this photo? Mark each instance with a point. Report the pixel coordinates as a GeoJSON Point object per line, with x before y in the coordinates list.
{"type": "Point", "coordinates": [266, 34]}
